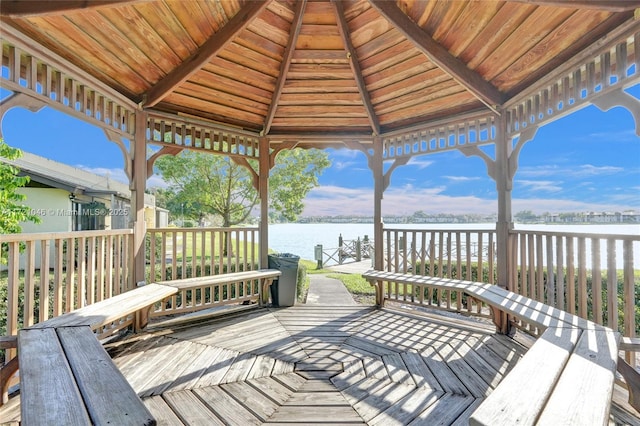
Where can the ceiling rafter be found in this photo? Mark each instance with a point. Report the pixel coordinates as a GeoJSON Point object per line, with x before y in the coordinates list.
{"type": "Point", "coordinates": [343, 28]}
{"type": "Point", "coordinates": [296, 24]}
{"type": "Point", "coordinates": [606, 5]}
{"type": "Point", "coordinates": [24, 8]}
{"type": "Point", "coordinates": [472, 81]}
{"type": "Point", "coordinates": [204, 54]}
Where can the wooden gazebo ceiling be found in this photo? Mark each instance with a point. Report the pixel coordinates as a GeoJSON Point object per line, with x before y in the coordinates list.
{"type": "Point", "coordinates": [295, 67]}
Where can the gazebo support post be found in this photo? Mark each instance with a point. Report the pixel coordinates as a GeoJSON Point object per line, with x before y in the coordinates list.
{"type": "Point", "coordinates": [138, 185]}
{"type": "Point", "coordinates": [378, 190]}
{"type": "Point", "coordinates": [504, 185]}
{"type": "Point", "coordinates": [263, 189]}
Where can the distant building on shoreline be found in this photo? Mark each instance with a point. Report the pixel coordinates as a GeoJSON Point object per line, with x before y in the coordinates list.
{"type": "Point", "coordinates": [628, 216]}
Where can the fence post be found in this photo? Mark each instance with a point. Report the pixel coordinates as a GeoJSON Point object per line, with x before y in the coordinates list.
{"type": "Point", "coordinates": [358, 250]}
{"type": "Point", "coordinates": [318, 255]}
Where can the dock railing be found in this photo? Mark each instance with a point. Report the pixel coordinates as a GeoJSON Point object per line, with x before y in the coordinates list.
{"type": "Point", "coordinates": [595, 276]}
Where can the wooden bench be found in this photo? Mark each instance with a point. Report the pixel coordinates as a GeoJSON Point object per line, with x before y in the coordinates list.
{"type": "Point", "coordinates": [67, 378]}
{"type": "Point", "coordinates": [265, 278]}
{"type": "Point", "coordinates": [566, 377]}
{"type": "Point", "coordinates": [66, 375]}
{"type": "Point", "coordinates": [138, 300]}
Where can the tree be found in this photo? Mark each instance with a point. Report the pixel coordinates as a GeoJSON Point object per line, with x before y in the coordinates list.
{"type": "Point", "coordinates": [12, 211]}
{"type": "Point", "coordinates": [204, 184]}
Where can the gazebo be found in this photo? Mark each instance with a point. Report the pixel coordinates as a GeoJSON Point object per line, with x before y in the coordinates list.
{"type": "Point", "coordinates": [392, 79]}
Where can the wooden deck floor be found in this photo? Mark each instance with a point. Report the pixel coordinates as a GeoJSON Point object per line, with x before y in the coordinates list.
{"type": "Point", "coordinates": [317, 365]}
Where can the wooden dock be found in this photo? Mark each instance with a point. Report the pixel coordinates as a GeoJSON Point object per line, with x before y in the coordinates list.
{"type": "Point", "coordinates": [317, 365]}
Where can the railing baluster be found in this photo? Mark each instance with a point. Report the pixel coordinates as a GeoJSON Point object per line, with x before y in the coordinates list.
{"type": "Point", "coordinates": [629, 297]}
{"type": "Point", "coordinates": [70, 266]}
{"type": "Point", "coordinates": [612, 286]}
{"type": "Point", "coordinates": [582, 278]}
{"type": "Point", "coordinates": [58, 278]}
{"type": "Point", "coordinates": [561, 303]}
{"type": "Point", "coordinates": [571, 284]}
{"type": "Point", "coordinates": [29, 284]}
{"type": "Point", "coordinates": [45, 255]}
{"type": "Point", "coordinates": [596, 280]}
{"type": "Point", "coordinates": [551, 282]}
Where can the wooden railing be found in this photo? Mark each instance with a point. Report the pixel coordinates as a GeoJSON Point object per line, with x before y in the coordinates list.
{"type": "Point", "coordinates": [49, 274]}
{"type": "Point", "coordinates": [179, 253]}
{"type": "Point", "coordinates": [593, 276]}
{"type": "Point", "coordinates": [457, 254]}
{"type": "Point", "coordinates": [194, 252]}
{"type": "Point", "coordinates": [570, 271]}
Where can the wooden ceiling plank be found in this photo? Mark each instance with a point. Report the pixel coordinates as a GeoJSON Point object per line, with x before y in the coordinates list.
{"type": "Point", "coordinates": [606, 5]}
{"type": "Point", "coordinates": [296, 24]}
{"type": "Point", "coordinates": [472, 81]}
{"type": "Point", "coordinates": [204, 54]}
{"type": "Point", "coordinates": [621, 32]}
{"type": "Point", "coordinates": [30, 8]}
{"type": "Point", "coordinates": [343, 28]}
{"type": "Point", "coordinates": [552, 46]}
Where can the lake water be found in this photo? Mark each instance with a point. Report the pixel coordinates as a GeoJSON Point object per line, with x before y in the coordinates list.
{"type": "Point", "coordinates": [301, 238]}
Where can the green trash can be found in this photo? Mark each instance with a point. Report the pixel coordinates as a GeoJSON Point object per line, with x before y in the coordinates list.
{"type": "Point", "coordinates": [283, 289]}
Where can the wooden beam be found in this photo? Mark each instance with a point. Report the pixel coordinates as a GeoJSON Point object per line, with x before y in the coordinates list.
{"type": "Point", "coordinates": [204, 54]}
{"type": "Point", "coordinates": [28, 8]}
{"type": "Point", "coordinates": [472, 81]}
{"type": "Point", "coordinates": [343, 28]}
{"type": "Point", "coordinates": [296, 24]}
{"type": "Point", "coordinates": [605, 5]}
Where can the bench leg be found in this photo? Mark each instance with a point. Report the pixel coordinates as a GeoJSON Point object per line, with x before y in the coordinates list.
{"type": "Point", "coordinates": [263, 298]}
{"type": "Point", "coordinates": [632, 379]}
{"type": "Point", "coordinates": [6, 372]}
{"type": "Point", "coordinates": [502, 322]}
{"type": "Point", "coordinates": [141, 319]}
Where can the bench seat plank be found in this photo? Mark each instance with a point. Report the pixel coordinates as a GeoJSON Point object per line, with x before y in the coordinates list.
{"type": "Point", "coordinates": [530, 310]}
{"type": "Point", "coordinates": [540, 369]}
{"type": "Point", "coordinates": [188, 283]}
{"type": "Point", "coordinates": [109, 398]}
{"type": "Point", "coordinates": [590, 373]}
{"type": "Point", "coordinates": [49, 395]}
{"type": "Point", "coordinates": [109, 310]}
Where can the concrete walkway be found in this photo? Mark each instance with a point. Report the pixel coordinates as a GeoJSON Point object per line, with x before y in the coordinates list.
{"type": "Point", "coordinates": [352, 267]}
{"type": "Point", "coordinates": [328, 292]}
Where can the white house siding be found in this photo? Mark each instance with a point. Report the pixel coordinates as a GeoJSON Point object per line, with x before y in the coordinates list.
{"type": "Point", "coordinates": [53, 207]}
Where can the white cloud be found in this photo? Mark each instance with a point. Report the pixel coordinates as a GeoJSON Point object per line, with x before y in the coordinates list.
{"type": "Point", "coordinates": [155, 181]}
{"type": "Point", "coordinates": [580, 171]}
{"type": "Point", "coordinates": [540, 185]}
{"type": "Point", "coordinates": [335, 200]}
{"type": "Point", "coordinates": [461, 178]}
{"type": "Point", "coordinates": [115, 174]}
{"type": "Point", "coordinates": [419, 163]}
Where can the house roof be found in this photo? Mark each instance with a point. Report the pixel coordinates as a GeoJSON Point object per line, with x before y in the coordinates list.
{"type": "Point", "coordinates": [69, 178]}
{"type": "Point", "coordinates": [330, 68]}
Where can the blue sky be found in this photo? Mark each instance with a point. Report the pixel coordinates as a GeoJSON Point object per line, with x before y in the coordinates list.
{"type": "Point", "coordinates": [587, 161]}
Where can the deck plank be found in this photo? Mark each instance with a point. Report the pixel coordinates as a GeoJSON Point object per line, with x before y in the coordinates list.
{"type": "Point", "coordinates": [447, 379]}
{"type": "Point", "coordinates": [190, 409]}
{"type": "Point", "coordinates": [405, 410]}
{"type": "Point", "coordinates": [444, 411]}
{"type": "Point", "coordinates": [194, 369]}
{"type": "Point", "coordinates": [226, 407]}
{"type": "Point", "coordinates": [252, 399]}
{"type": "Point", "coordinates": [217, 369]}
{"type": "Point", "coordinates": [272, 388]}
{"type": "Point", "coordinates": [162, 412]}
{"type": "Point", "coordinates": [317, 365]}
{"type": "Point", "coordinates": [382, 399]}
{"type": "Point", "coordinates": [422, 376]}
